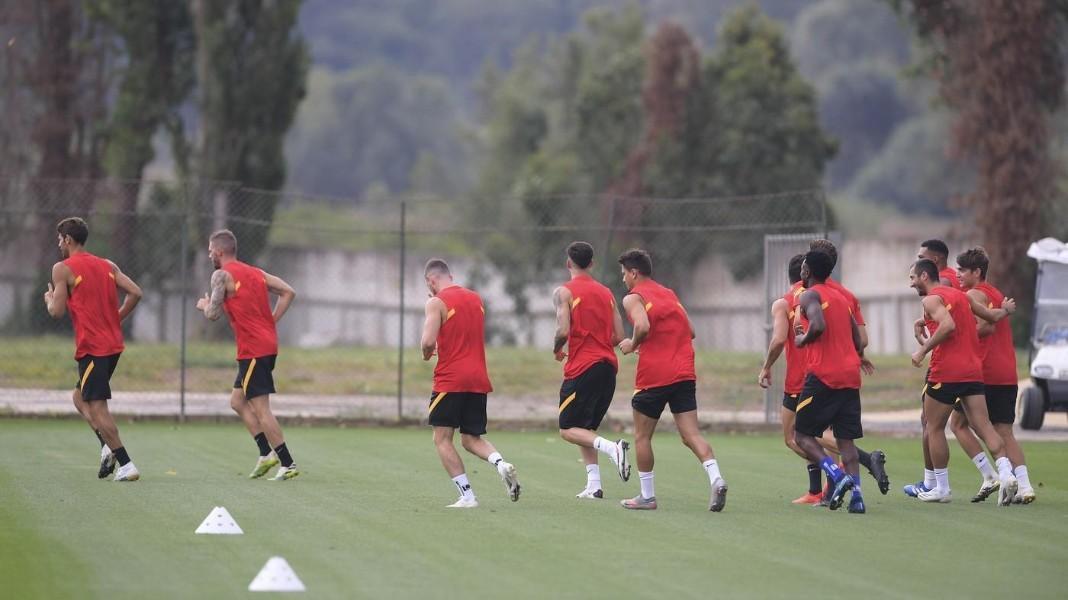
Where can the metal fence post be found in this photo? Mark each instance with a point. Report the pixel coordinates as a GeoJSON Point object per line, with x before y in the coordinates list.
{"type": "Point", "coordinates": [184, 277]}
{"type": "Point", "coordinates": [400, 315]}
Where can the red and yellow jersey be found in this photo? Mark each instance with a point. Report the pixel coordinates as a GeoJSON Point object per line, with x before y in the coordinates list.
{"type": "Point", "coordinates": [94, 306]}
{"type": "Point", "coordinates": [795, 357]}
{"type": "Point", "coordinates": [950, 275]}
{"type": "Point", "coordinates": [250, 313]}
{"type": "Point", "coordinates": [666, 355]}
{"type": "Point", "coordinates": [854, 304]}
{"type": "Point", "coordinates": [833, 357]}
{"type": "Point", "coordinates": [461, 344]}
{"type": "Point", "coordinates": [589, 341]}
{"type": "Point", "coordinates": [956, 359]}
{"type": "Point", "coordinates": [997, 350]}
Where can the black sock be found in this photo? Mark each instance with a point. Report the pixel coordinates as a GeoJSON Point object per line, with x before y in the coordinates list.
{"type": "Point", "coordinates": [283, 455]}
{"type": "Point", "coordinates": [865, 458]}
{"type": "Point", "coordinates": [261, 441]}
{"type": "Point", "coordinates": [813, 479]}
{"type": "Point", "coordinates": [99, 437]}
{"type": "Point", "coordinates": [122, 456]}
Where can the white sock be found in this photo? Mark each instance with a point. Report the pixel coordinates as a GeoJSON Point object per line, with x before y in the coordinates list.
{"type": "Point", "coordinates": [942, 480]}
{"type": "Point", "coordinates": [606, 446]}
{"type": "Point", "coordinates": [712, 468]}
{"type": "Point", "coordinates": [647, 484]}
{"type": "Point", "coordinates": [984, 465]}
{"type": "Point", "coordinates": [494, 458]}
{"type": "Point", "coordinates": [1022, 477]}
{"type": "Point", "coordinates": [929, 481]}
{"type": "Point", "coordinates": [1004, 467]}
{"type": "Point", "coordinates": [593, 477]}
{"type": "Point", "coordinates": [463, 486]}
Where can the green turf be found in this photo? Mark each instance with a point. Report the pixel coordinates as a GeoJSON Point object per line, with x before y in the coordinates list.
{"type": "Point", "coordinates": [367, 520]}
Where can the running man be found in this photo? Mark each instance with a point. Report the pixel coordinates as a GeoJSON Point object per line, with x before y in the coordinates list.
{"type": "Point", "coordinates": [831, 394]}
{"type": "Point", "coordinates": [589, 326]}
{"type": "Point", "coordinates": [87, 286]}
{"type": "Point", "coordinates": [999, 382]}
{"type": "Point", "coordinates": [455, 330]}
{"type": "Point", "coordinates": [666, 376]}
{"type": "Point", "coordinates": [242, 292]}
{"type": "Point", "coordinates": [956, 373]}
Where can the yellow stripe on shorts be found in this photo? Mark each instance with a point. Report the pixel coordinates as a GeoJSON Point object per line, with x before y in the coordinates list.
{"type": "Point", "coordinates": [804, 403]}
{"type": "Point", "coordinates": [435, 402]}
{"type": "Point", "coordinates": [566, 401]}
{"type": "Point", "coordinates": [248, 376]}
{"type": "Point", "coordinates": [85, 376]}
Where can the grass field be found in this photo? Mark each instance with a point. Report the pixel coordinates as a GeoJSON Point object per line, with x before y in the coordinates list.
{"type": "Point", "coordinates": [725, 379]}
{"type": "Point", "coordinates": [366, 519]}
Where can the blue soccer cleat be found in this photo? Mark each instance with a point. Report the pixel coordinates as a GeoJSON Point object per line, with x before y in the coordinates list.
{"type": "Point", "coordinates": [913, 489]}
{"type": "Point", "coordinates": [856, 504]}
{"type": "Point", "coordinates": [843, 485]}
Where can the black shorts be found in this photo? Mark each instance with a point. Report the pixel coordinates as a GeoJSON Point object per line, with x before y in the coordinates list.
{"type": "Point", "coordinates": [255, 376]}
{"type": "Point", "coordinates": [948, 393]}
{"type": "Point", "coordinates": [584, 399]}
{"type": "Point", "coordinates": [822, 407]}
{"type": "Point", "coordinates": [681, 396]}
{"type": "Point", "coordinates": [465, 411]}
{"type": "Point", "coordinates": [789, 401]}
{"type": "Point", "coordinates": [94, 376]}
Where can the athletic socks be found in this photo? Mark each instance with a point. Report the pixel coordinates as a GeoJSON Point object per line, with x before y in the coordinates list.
{"type": "Point", "coordinates": [646, 480]}
{"type": "Point", "coordinates": [99, 437]}
{"type": "Point", "coordinates": [283, 455]}
{"type": "Point", "coordinates": [929, 480]}
{"type": "Point", "coordinates": [122, 456]}
{"type": "Point", "coordinates": [1022, 477]}
{"type": "Point", "coordinates": [494, 458]}
{"type": "Point", "coordinates": [463, 485]}
{"type": "Point", "coordinates": [593, 477]}
{"type": "Point", "coordinates": [261, 442]}
{"type": "Point", "coordinates": [831, 468]}
{"type": "Point", "coordinates": [942, 479]}
{"type": "Point", "coordinates": [983, 465]}
{"type": "Point", "coordinates": [856, 485]}
{"type": "Point", "coordinates": [712, 468]}
{"type": "Point", "coordinates": [864, 458]}
{"type": "Point", "coordinates": [1004, 467]}
{"type": "Point", "coordinates": [813, 479]}
{"type": "Point", "coordinates": [605, 446]}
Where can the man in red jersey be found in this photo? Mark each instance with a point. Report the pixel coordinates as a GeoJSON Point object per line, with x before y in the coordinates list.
{"type": "Point", "coordinates": [243, 293]}
{"type": "Point", "coordinates": [831, 395]}
{"type": "Point", "coordinates": [999, 382]}
{"type": "Point", "coordinates": [663, 337]}
{"type": "Point", "coordinates": [589, 326]}
{"type": "Point", "coordinates": [956, 372]}
{"type": "Point", "coordinates": [455, 330]}
{"type": "Point", "coordinates": [88, 286]}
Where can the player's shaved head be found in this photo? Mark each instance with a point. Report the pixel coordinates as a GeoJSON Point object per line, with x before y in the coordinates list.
{"type": "Point", "coordinates": [581, 254]}
{"type": "Point", "coordinates": [637, 259]}
{"type": "Point", "coordinates": [827, 247]}
{"type": "Point", "coordinates": [793, 269]}
{"type": "Point", "coordinates": [76, 228]}
{"type": "Point", "coordinates": [224, 241]}
{"type": "Point", "coordinates": [974, 258]}
{"type": "Point", "coordinates": [435, 267]}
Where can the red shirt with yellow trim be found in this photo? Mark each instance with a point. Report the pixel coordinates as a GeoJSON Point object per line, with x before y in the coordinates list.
{"type": "Point", "coordinates": [94, 306]}
{"type": "Point", "coordinates": [956, 359]}
{"type": "Point", "coordinates": [249, 310]}
{"type": "Point", "coordinates": [795, 357]}
{"type": "Point", "coordinates": [997, 350]}
{"type": "Point", "coordinates": [666, 354]}
{"type": "Point", "coordinates": [589, 340]}
{"type": "Point", "coordinates": [832, 357]}
{"type": "Point", "coordinates": [461, 344]}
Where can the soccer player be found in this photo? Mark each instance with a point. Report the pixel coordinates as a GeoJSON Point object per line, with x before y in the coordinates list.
{"type": "Point", "coordinates": [455, 330]}
{"type": "Point", "coordinates": [937, 252]}
{"type": "Point", "coordinates": [831, 394]}
{"type": "Point", "coordinates": [956, 372]}
{"type": "Point", "coordinates": [663, 337]}
{"type": "Point", "coordinates": [87, 286]}
{"type": "Point", "coordinates": [589, 326]}
{"type": "Point", "coordinates": [999, 382]}
{"type": "Point", "coordinates": [243, 292]}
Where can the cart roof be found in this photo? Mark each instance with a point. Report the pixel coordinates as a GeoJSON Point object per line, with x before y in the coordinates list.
{"type": "Point", "coordinates": [1050, 249]}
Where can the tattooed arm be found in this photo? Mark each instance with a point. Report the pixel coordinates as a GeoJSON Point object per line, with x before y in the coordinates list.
{"type": "Point", "coordinates": [562, 303]}
{"type": "Point", "coordinates": [211, 305]}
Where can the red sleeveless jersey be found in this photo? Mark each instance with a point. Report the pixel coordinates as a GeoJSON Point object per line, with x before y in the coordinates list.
{"type": "Point", "coordinates": [956, 359]}
{"type": "Point", "coordinates": [950, 274]}
{"type": "Point", "coordinates": [997, 350]}
{"type": "Point", "coordinates": [592, 323]}
{"type": "Point", "coordinates": [94, 306]}
{"type": "Point", "coordinates": [854, 304]}
{"type": "Point", "coordinates": [665, 356]}
{"type": "Point", "coordinates": [795, 357]}
{"type": "Point", "coordinates": [832, 357]}
{"type": "Point", "coordinates": [250, 313]}
{"type": "Point", "coordinates": [461, 344]}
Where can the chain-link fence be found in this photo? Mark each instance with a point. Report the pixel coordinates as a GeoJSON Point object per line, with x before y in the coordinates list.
{"type": "Point", "coordinates": [357, 268]}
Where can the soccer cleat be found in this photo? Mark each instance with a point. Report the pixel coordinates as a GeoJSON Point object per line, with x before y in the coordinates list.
{"type": "Point", "coordinates": [107, 463]}
{"type": "Point", "coordinates": [719, 495]}
{"type": "Point", "coordinates": [263, 464]}
{"type": "Point", "coordinates": [878, 471]}
{"type": "Point", "coordinates": [913, 490]}
{"type": "Point", "coordinates": [808, 498]}
{"type": "Point", "coordinates": [462, 502]}
{"type": "Point", "coordinates": [856, 504]}
{"type": "Point", "coordinates": [989, 486]}
{"type": "Point", "coordinates": [620, 458]}
{"type": "Point", "coordinates": [127, 472]}
{"type": "Point", "coordinates": [590, 494]}
{"type": "Point", "coordinates": [511, 482]}
{"type": "Point", "coordinates": [639, 503]}
{"type": "Point", "coordinates": [936, 495]}
{"type": "Point", "coordinates": [1009, 485]}
{"type": "Point", "coordinates": [1024, 496]}
{"type": "Point", "coordinates": [285, 473]}
{"type": "Point", "coordinates": [843, 485]}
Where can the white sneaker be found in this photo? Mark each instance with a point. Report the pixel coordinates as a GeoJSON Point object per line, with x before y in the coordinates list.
{"type": "Point", "coordinates": [285, 473]}
{"type": "Point", "coordinates": [107, 463]}
{"type": "Point", "coordinates": [1009, 485]}
{"type": "Point", "coordinates": [620, 459]}
{"type": "Point", "coordinates": [1024, 496]}
{"type": "Point", "coordinates": [462, 502]}
{"type": "Point", "coordinates": [936, 495]}
{"type": "Point", "coordinates": [507, 472]}
{"type": "Point", "coordinates": [588, 494]}
{"type": "Point", "coordinates": [989, 486]}
{"type": "Point", "coordinates": [127, 472]}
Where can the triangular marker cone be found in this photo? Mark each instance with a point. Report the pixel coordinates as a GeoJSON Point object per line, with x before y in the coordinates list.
{"type": "Point", "coordinates": [276, 576]}
{"type": "Point", "coordinates": [220, 521]}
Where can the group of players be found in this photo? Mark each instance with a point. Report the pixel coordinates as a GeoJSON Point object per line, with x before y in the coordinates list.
{"type": "Point", "coordinates": [971, 367]}
{"type": "Point", "coordinates": [971, 382]}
